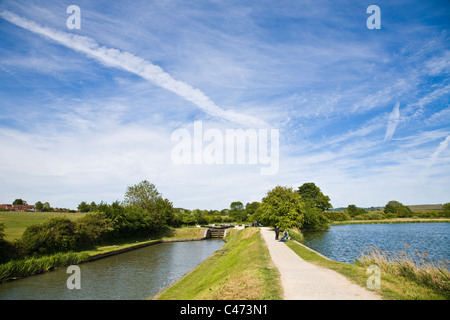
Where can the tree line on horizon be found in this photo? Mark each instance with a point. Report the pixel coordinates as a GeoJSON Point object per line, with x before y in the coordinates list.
{"type": "Point", "coordinates": [144, 211]}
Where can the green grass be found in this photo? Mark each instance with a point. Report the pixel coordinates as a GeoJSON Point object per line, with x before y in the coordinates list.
{"type": "Point", "coordinates": [26, 267]}
{"type": "Point", "coordinates": [393, 287]}
{"type": "Point", "coordinates": [241, 270]}
{"type": "Point", "coordinates": [411, 264]}
{"type": "Point", "coordinates": [17, 222]}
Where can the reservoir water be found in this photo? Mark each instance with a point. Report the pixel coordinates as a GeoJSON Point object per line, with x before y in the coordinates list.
{"type": "Point", "coordinates": [345, 243]}
{"type": "Point", "coordinates": [133, 275]}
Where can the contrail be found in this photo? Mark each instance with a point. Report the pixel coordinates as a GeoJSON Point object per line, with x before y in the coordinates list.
{"type": "Point", "coordinates": [393, 121]}
{"type": "Point", "coordinates": [129, 62]}
{"type": "Point", "coordinates": [442, 146]}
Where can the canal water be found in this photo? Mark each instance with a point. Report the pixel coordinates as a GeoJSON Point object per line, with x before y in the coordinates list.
{"type": "Point", "coordinates": [345, 243]}
{"type": "Point", "coordinates": [133, 275]}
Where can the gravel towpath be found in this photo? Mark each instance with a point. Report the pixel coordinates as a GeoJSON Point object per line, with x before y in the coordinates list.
{"type": "Point", "coordinates": [302, 280]}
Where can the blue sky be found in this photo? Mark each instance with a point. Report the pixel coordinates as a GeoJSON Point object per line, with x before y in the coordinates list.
{"type": "Point", "coordinates": [362, 113]}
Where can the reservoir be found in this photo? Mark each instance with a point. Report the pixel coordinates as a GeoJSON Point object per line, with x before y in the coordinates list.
{"type": "Point", "coordinates": [345, 243]}
{"type": "Point", "coordinates": [133, 275]}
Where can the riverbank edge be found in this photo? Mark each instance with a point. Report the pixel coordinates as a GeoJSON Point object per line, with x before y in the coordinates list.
{"type": "Point", "coordinates": [389, 221]}
{"type": "Point", "coordinates": [231, 259]}
{"type": "Point", "coordinates": [140, 245]}
{"type": "Point", "coordinates": [94, 257]}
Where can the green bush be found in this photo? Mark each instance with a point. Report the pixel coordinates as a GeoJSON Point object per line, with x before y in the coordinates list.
{"type": "Point", "coordinates": [371, 216]}
{"type": "Point", "coordinates": [296, 234]}
{"type": "Point", "coordinates": [53, 235]}
{"type": "Point", "coordinates": [337, 216]}
{"type": "Point", "coordinates": [314, 219]}
{"type": "Point", "coordinates": [92, 229]}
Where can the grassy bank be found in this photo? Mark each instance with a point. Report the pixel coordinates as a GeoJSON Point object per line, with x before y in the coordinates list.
{"type": "Point", "coordinates": [165, 234]}
{"type": "Point", "coordinates": [31, 266]}
{"type": "Point", "coordinates": [17, 222]}
{"type": "Point", "coordinates": [241, 270]}
{"type": "Point", "coordinates": [393, 286]}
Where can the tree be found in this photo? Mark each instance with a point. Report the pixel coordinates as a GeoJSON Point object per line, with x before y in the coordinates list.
{"type": "Point", "coordinates": [39, 206]}
{"type": "Point", "coordinates": [283, 207]}
{"type": "Point", "coordinates": [397, 209]}
{"type": "Point", "coordinates": [92, 228]}
{"type": "Point", "coordinates": [312, 195]}
{"type": "Point", "coordinates": [46, 207]}
{"type": "Point", "coordinates": [250, 208]}
{"type": "Point", "coordinates": [53, 235]}
{"type": "Point", "coordinates": [446, 208]}
{"type": "Point", "coordinates": [19, 202]}
{"type": "Point", "coordinates": [145, 196]}
{"type": "Point", "coordinates": [237, 211]}
{"type": "Point", "coordinates": [315, 203]}
{"type": "Point", "coordinates": [314, 219]}
{"type": "Point", "coordinates": [354, 211]}
{"type": "Point", "coordinates": [84, 207]}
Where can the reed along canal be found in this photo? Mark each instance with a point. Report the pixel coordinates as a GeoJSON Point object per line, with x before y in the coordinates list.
{"type": "Point", "coordinates": [133, 275]}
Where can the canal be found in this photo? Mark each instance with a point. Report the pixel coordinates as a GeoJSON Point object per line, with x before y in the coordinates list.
{"type": "Point", "coordinates": [345, 243]}
{"type": "Point", "coordinates": [133, 275]}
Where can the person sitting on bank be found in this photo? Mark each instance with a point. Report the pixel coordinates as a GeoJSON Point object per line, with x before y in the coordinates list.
{"type": "Point", "coordinates": [285, 236]}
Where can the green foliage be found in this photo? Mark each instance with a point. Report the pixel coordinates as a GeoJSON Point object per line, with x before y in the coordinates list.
{"type": "Point", "coordinates": [337, 215]}
{"type": "Point", "coordinates": [39, 206]}
{"type": "Point", "coordinates": [354, 211]}
{"type": "Point", "coordinates": [314, 219]}
{"type": "Point", "coordinates": [85, 207]}
{"type": "Point", "coordinates": [283, 207]}
{"type": "Point", "coordinates": [53, 235]}
{"type": "Point", "coordinates": [237, 211]}
{"type": "Point", "coordinates": [92, 229]}
{"type": "Point", "coordinates": [446, 208]}
{"type": "Point", "coordinates": [296, 234]}
{"type": "Point", "coordinates": [19, 202]}
{"type": "Point", "coordinates": [371, 216]}
{"type": "Point", "coordinates": [2, 231]}
{"type": "Point", "coordinates": [397, 210]}
{"type": "Point", "coordinates": [43, 207]}
{"type": "Point", "coordinates": [31, 266]}
{"type": "Point", "coordinates": [145, 196]}
{"type": "Point", "coordinates": [313, 196]}
{"type": "Point", "coordinates": [251, 208]}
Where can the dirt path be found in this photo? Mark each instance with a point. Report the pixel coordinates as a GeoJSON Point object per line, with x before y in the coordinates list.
{"type": "Point", "coordinates": [302, 280]}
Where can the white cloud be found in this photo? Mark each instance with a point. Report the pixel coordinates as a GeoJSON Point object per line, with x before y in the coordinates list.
{"type": "Point", "coordinates": [393, 121]}
{"type": "Point", "coordinates": [442, 146]}
{"type": "Point", "coordinates": [136, 65]}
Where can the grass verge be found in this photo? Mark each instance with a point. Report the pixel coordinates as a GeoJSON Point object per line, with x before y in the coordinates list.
{"type": "Point", "coordinates": [27, 267]}
{"type": "Point", "coordinates": [241, 270]}
{"type": "Point", "coordinates": [393, 287]}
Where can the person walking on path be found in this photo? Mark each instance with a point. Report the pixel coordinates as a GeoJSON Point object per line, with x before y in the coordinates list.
{"type": "Point", "coordinates": [277, 232]}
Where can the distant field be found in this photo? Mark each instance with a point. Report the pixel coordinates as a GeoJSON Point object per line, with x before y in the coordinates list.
{"type": "Point", "coordinates": [426, 207]}
{"type": "Point", "coordinates": [17, 222]}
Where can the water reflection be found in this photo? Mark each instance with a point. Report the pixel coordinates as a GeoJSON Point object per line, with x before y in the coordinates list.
{"type": "Point", "coordinates": [133, 275]}
{"type": "Point", "coordinates": [345, 243]}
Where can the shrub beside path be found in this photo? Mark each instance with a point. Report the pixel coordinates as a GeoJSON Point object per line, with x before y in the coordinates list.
{"type": "Point", "coordinates": [302, 280]}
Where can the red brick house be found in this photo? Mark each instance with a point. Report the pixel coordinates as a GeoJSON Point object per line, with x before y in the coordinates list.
{"type": "Point", "coordinates": [17, 207]}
